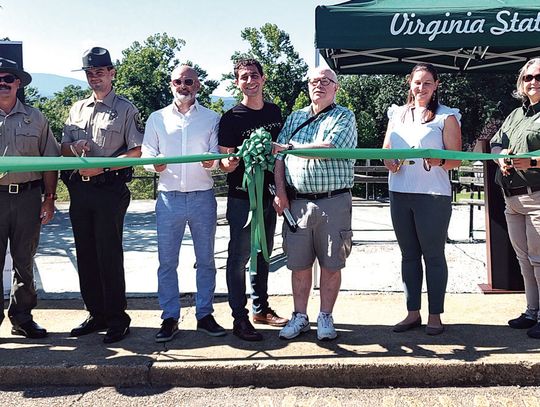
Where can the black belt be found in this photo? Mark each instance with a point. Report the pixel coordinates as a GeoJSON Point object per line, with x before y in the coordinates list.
{"type": "Point", "coordinates": [321, 195]}
{"type": "Point", "coordinates": [16, 188]}
{"type": "Point", "coordinates": [521, 190]}
{"type": "Point", "coordinates": [122, 175]}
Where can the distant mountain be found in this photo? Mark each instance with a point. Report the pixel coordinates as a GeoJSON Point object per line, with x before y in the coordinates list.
{"type": "Point", "coordinates": [48, 84]}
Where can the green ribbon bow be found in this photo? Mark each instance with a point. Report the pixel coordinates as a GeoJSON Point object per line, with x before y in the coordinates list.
{"type": "Point", "coordinates": [256, 151]}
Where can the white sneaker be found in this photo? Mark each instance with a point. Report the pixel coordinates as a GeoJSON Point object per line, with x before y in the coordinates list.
{"type": "Point", "coordinates": [297, 324]}
{"type": "Point", "coordinates": [325, 327]}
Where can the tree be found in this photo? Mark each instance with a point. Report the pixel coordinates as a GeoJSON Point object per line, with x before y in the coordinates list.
{"type": "Point", "coordinates": [284, 69]}
{"type": "Point", "coordinates": [143, 75]}
{"type": "Point", "coordinates": [56, 108]}
{"type": "Point", "coordinates": [369, 97]}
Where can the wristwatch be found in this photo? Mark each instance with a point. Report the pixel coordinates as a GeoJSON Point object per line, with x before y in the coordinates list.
{"type": "Point", "coordinates": [50, 195]}
{"type": "Point", "coordinates": [290, 147]}
{"type": "Point", "coordinates": [533, 162]}
{"type": "Point", "coordinates": [443, 161]}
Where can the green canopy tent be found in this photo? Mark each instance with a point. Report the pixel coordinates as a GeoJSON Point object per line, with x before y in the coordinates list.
{"type": "Point", "coordinates": [483, 36]}
{"type": "Point", "coordinates": [391, 36]}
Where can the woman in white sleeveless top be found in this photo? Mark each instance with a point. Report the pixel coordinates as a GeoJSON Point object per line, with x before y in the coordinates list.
{"type": "Point", "coordinates": [420, 193]}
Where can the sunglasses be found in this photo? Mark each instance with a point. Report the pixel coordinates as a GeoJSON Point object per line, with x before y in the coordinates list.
{"type": "Point", "coordinates": [187, 82]}
{"type": "Point", "coordinates": [8, 79]}
{"type": "Point", "coordinates": [528, 78]}
{"type": "Point", "coordinates": [324, 81]}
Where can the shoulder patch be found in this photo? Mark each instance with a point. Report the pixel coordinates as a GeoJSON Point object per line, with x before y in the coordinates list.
{"type": "Point", "coordinates": [139, 123]}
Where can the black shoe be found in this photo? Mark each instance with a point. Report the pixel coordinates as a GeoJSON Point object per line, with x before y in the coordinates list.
{"type": "Point", "coordinates": [29, 329]}
{"type": "Point", "coordinates": [534, 332]}
{"type": "Point", "coordinates": [406, 327]}
{"type": "Point", "coordinates": [244, 330]}
{"type": "Point", "coordinates": [209, 325]}
{"type": "Point", "coordinates": [115, 334]}
{"type": "Point", "coordinates": [91, 324]}
{"type": "Point", "coordinates": [522, 322]}
{"type": "Point", "coordinates": [169, 328]}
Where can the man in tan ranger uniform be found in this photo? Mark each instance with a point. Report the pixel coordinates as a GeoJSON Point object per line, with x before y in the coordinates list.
{"type": "Point", "coordinates": [103, 125]}
{"type": "Point", "coordinates": [24, 131]}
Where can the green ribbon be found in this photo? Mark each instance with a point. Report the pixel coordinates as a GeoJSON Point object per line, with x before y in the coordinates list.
{"type": "Point", "coordinates": [25, 164]}
{"type": "Point", "coordinates": [381, 154]}
{"type": "Point", "coordinates": [256, 151]}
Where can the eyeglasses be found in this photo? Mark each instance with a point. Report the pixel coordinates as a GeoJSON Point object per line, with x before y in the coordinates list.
{"type": "Point", "coordinates": [324, 81]}
{"type": "Point", "coordinates": [187, 82]}
{"type": "Point", "coordinates": [8, 79]}
{"type": "Point", "coordinates": [528, 78]}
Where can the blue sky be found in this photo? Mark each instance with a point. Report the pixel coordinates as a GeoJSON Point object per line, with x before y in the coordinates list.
{"type": "Point", "coordinates": [56, 32]}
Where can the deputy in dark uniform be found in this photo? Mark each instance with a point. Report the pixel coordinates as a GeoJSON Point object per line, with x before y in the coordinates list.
{"type": "Point", "coordinates": [24, 131]}
{"type": "Point", "coordinates": [104, 125]}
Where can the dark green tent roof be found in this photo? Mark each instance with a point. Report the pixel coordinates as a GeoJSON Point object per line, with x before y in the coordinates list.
{"type": "Point", "coordinates": [390, 36]}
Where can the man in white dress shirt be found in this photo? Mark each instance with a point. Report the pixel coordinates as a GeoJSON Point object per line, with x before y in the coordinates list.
{"type": "Point", "coordinates": [185, 197]}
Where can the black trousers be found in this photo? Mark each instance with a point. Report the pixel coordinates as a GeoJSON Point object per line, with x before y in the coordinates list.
{"type": "Point", "coordinates": [97, 214]}
{"type": "Point", "coordinates": [20, 223]}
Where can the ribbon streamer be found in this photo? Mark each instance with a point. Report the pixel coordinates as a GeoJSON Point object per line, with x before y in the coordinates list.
{"type": "Point", "coordinates": [256, 151]}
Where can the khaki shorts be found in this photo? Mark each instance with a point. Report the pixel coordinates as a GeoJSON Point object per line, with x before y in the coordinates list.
{"type": "Point", "coordinates": [324, 233]}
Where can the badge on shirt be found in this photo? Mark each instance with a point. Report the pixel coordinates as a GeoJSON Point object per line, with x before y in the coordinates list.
{"type": "Point", "coordinates": [139, 123]}
{"type": "Point", "coordinates": [113, 114]}
{"type": "Point", "coordinates": [27, 120]}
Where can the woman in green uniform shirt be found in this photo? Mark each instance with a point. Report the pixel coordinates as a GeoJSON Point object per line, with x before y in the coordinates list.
{"type": "Point", "coordinates": [520, 181]}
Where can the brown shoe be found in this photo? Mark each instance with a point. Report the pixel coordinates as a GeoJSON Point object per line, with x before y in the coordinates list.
{"type": "Point", "coordinates": [269, 317]}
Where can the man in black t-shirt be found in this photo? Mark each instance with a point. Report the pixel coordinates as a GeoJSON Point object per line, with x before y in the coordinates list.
{"type": "Point", "coordinates": [235, 126]}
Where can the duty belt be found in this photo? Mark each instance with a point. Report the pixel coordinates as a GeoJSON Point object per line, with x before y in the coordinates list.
{"type": "Point", "coordinates": [17, 188]}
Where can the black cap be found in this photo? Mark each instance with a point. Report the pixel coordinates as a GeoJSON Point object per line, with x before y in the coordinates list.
{"type": "Point", "coordinates": [9, 66]}
{"type": "Point", "coordinates": [96, 57]}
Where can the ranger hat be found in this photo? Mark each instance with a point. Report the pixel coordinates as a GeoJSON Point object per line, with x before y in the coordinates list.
{"type": "Point", "coordinates": [96, 57]}
{"type": "Point", "coordinates": [9, 66]}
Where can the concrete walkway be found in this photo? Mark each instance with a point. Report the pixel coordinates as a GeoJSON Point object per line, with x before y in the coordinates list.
{"type": "Point", "coordinates": [374, 264]}
{"type": "Point", "coordinates": [477, 347]}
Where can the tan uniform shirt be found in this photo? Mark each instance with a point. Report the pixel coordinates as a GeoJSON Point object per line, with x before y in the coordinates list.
{"type": "Point", "coordinates": [111, 126]}
{"type": "Point", "coordinates": [25, 132]}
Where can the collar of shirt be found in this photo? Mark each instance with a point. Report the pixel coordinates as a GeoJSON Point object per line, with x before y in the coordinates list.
{"type": "Point", "coordinates": [19, 107]}
{"type": "Point", "coordinates": [195, 107]}
{"type": "Point", "coordinates": [107, 101]}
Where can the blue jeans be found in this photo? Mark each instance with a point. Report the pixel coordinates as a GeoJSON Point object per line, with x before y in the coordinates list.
{"type": "Point", "coordinates": [174, 210]}
{"type": "Point", "coordinates": [238, 256]}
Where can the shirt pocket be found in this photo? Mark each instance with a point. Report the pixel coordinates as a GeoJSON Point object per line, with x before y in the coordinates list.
{"type": "Point", "coordinates": [109, 133]}
{"type": "Point", "coordinates": [77, 132]}
{"type": "Point", "coordinates": [533, 136]}
{"type": "Point", "coordinates": [27, 140]}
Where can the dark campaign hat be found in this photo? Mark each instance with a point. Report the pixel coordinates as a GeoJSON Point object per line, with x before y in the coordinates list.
{"type": "Point", "coordinates": [9, 66]}
{"type": "Point", "coordinates": [96, 57]}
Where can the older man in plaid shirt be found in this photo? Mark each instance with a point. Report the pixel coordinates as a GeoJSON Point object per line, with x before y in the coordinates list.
{"type": "Point", "coordinates": [318, 193]}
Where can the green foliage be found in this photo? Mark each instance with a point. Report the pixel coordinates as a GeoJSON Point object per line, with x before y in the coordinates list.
{"type": "Point", "coordinates": [478, 100]}
{"type": "Point", "coordinates": [143, 75]}
{"type": "Point", "coordinates": [302, 100]}
{"type": "Point", "coordinates": [283, 67]}
{"type": "Point", "coordinates": [218, 106]}
{"type": "Point", "coordinates": [369, 97]}
{"type": "Point", "coordinates": [56, 109]}
{"type": "Point", "coordinates": [142, 185]}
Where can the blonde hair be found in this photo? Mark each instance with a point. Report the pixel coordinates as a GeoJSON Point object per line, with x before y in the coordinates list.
{"type": "Point", "coordinates": [518, 93]}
